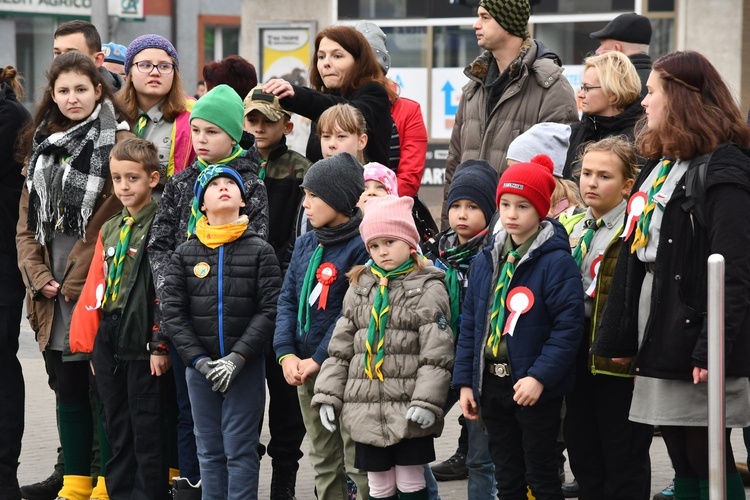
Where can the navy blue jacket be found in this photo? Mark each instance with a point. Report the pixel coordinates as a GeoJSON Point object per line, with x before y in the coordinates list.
{"type": "Point", "coordinates": [546, 338]}
{"type": "Point", "coordinates": [314, 344]}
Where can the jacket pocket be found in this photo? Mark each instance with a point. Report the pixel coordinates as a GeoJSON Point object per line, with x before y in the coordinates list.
{"type": "Point", "coordinates": [676, 343]}
{"type": "Point", "coordinates": [31, 313]}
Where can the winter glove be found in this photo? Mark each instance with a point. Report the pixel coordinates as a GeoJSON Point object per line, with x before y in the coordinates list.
{"type": "Point", "coordinates": [203, 367]}
{"type": "Point", "coordinates": [327, 416]}
{"type": "Point", "coordinates": [422, 416]}
{"type": "Point", "coordinates": [224, 371]}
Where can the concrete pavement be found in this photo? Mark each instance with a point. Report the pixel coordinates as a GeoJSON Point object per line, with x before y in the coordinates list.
{"type": "Point", "coordinates": [40, 438]}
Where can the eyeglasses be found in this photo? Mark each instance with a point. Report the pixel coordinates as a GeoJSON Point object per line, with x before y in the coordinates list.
{"type": "Point", "coordinates": [587, 88]}
{"type": "Point", "coordinates": [147, 67]}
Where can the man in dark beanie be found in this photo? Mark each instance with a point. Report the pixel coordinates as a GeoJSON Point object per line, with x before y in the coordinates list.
{"type": "Point", "coordinates": [630, 34]}
{"type": "Point", "coordinates": [515, 83]}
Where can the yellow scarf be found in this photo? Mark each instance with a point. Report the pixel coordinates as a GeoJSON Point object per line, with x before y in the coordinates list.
{"type": "Point", "coordinates": [215, 236]}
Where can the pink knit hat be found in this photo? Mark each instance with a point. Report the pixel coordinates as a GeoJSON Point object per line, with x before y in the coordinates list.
{"type": "Point", "coordinates": [390, 217]}
{"type": "Point", "coordinates": [375, 171]}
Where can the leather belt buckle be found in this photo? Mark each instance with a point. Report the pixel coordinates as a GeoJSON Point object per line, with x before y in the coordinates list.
{"type": "Point", "coordinates": [499, 369]}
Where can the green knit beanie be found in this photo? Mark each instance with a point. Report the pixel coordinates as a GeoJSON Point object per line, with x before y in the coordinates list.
{"type": "Point", "coordinates": [513, 15]}
{"type": "Point", "coordinates": [221, 106]}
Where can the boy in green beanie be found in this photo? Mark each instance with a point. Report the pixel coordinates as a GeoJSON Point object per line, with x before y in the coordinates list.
{"type": "Point", "coordinates": [216, 129]}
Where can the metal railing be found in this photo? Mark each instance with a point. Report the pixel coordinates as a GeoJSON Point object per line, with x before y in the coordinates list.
{"type": "Point", "coordinates": [716, 395]}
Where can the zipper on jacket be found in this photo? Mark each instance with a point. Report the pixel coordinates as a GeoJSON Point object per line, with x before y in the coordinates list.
{"type": "Point", "coordinates": [28, 279]}
{"type": "Point", "coordinates": [67, 272]}
{"type": "Point", "coordinates": [221, 300]}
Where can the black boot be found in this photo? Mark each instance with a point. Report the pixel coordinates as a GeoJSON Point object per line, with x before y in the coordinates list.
{"type": "Point", "coordinates": [43, 490]}
{"type": "Point", "coordinates": [183, 489]}
{"type": "Point", "coordinates": [453, 469]}
{"type": "Point", "coordinates": [283, 482]}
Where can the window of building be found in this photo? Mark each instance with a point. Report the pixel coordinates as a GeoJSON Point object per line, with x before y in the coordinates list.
{"type": "Point", "coordinates": [34, 41]}
{"type": "Point", "coordinates": [218, 37]}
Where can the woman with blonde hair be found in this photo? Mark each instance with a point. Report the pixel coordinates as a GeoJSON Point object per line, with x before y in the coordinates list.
{"type": "Point", "coordinates": [610, 101]}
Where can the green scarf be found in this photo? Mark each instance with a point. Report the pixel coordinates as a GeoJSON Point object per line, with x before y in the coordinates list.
{"type": "Point", "coordinates": [262, 169]}
{"type": "Point", "coordinates": [379, 318]}
{"type": "Point", "coordinates": [195, 210]}
{"type": "Point", "coordinates": [498, 303]}
{"type": "Point", "coordinates": [582, 248]}
{"type": "Point", "coordinates": [641, 230]}
{"type": "Point", "coordinates": [140, 125]}
{"type": "Point", "coordinates": [303, 310]}
{"type": "Point", "coordinates": [115, 271]}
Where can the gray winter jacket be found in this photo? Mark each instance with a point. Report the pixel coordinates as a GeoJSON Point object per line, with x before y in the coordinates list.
{"type": "Point", "coordinates": [417, 364]}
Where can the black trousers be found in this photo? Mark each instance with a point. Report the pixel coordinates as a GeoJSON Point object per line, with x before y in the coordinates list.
{"type": "Point", "coordinates": [12, 392]}
{"type": "Point", "coordinates": [284, 417]}
{"type": "Point", "coordinates": [135, 420]}
{"type": "Point", "coordinates": [522, 441]}
{"type": "Point", "coordinates": [609, 454]}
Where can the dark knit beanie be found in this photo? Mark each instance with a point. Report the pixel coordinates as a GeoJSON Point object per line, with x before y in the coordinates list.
{"type": "Point", "coordinates": [150, 42]}
{"type": "Point", "coordinates": [475, 180]}
{"type": "Point", "coordinates": [337, 180]}
{"type": "Point", "coordinates": [221, 106]}
{"type": "Point", "coordinates": [532, 180]}
{"type": "Point", "coordinates": [212, 172]}
{"type": "Point", "coordinates": [513, 15]}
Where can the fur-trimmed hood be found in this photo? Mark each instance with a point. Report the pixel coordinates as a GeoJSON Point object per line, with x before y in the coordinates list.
{"type": "Point", "coordinates": [533, 54]}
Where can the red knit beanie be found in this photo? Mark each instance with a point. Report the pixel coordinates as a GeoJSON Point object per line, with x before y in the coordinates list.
{"type": "Point", "coordinates": [389, 217]}
{"type": "Point", "coordinates": [533, 181]}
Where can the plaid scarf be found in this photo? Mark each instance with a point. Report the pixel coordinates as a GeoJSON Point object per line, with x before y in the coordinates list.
{"type": "Point", "coordinates": [62, 195]}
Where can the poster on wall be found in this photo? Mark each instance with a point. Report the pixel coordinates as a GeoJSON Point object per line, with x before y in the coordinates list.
{"type": "Point", "coordinates": [412, 84]}
{"type": "Point", "coordinates": [285, 50]}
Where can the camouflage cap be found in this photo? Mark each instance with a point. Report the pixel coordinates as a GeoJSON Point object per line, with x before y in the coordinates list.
{"type": "Point", "coordinates": [268, 104]}
{"type": "Point", "coordinates": [513, 15]}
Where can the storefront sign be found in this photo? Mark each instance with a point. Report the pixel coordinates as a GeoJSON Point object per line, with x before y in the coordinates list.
{"type": "Point", "coordinates": [285, 51]}
{"type": "Point", "coordinates": [75, 8]}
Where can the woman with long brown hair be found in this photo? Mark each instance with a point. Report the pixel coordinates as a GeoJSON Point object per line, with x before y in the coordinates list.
{"type": "Point", "coordinates": [343, 70]}
{"type": "Point", "coordinates": [656, 310]}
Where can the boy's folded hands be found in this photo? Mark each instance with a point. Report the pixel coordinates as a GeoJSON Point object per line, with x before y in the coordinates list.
{"type": "Point", "coordinates": [224, 371]}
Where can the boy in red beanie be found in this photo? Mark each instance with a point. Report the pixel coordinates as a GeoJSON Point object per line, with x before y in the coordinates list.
{"type": "Point", "coordinates": [516, 352]}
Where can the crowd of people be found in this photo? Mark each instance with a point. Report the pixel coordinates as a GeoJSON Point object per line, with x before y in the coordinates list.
{"type": "Point", "coordinates": [178, 258]}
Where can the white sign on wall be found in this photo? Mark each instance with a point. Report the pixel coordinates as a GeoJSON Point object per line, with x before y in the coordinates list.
{"type": "Point", "coordinates": [445, 93]}
{"type": "Point", "coordinates": [132, 9]}
{"type": "Point", "coordinates": [413, 85]}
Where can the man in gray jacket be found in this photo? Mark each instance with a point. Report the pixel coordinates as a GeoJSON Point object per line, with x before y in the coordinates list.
{"type": "Point", "coordinates": [515, 83]}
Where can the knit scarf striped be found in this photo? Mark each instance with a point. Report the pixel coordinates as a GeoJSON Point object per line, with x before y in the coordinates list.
{"type": "Point", "coordinates": [118, 262]}
{"type": "Point", "coordinates": [375, 343]}
{"type": "Point", "coordinates": [195, 209]}
{"type": "Point", "coordinates": [497, 319]}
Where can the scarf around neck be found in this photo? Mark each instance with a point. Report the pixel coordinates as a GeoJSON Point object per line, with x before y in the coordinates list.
{"type": "Point", "coordinates": [215, 236]}
{"type": "Point", "coordinates": [342, 232]}
{"type": "Point", "coordinates": [375, 343]}
{"type": "Point", "coordinates": [62, 195]}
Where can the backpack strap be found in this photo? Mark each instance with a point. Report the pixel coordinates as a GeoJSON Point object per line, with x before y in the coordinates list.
{"type": "Point", "coordinates": [695, 186]}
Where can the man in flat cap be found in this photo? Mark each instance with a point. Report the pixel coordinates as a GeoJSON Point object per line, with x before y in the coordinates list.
{"type": "Point", "coordinates": [514, 84]}
{"type": "Point", "coordinates": [630, 34]}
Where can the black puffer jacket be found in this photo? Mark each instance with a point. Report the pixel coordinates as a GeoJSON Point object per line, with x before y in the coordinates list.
{"type": "Point", "coordinates": [221, 300]}
{"type": "Point", "coordinates": [675, 340]}
{"type": "Point", "coordinates": [594, 128]}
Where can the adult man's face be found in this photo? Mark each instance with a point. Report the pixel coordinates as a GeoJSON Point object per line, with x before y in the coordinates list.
{"type": "Point", "coordinates": [76, 42]}
{"type": "Point", "coordinates": [490, 35]}
{"type": "Point", "coordinates": [606, 45]}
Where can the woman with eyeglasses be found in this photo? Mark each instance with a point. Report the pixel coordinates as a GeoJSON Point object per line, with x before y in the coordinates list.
{"type": "Point", "coordinates": [610, 101]}
{"type": "Point", "coordinates": [156, 104]}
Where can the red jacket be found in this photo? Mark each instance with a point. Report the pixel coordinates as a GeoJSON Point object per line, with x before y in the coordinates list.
{"type": "Point", "coordinates": [412, 133]}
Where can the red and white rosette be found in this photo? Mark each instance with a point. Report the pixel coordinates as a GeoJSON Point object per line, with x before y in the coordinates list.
{"type": "Point", "coordinates": [594, 272]}
{"type": "Point", "coordinates": [520, 300]}
{"type": "Point", "coordinates": [326, 275]}
{"type": "Point", "coordinates": [636, 206]}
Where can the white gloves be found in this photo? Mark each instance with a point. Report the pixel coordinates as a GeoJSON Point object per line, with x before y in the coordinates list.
{"type": "Point", "coordinates": [425, 418]}
{"type": "Point", "coordinates": [327, 416]}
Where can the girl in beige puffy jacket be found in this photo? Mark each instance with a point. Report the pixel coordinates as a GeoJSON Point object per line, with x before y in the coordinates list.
{"type": "Point", "coordinates": [391, 356]}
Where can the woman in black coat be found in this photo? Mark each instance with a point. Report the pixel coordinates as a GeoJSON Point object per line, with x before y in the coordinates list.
{"type": "Point", "coordinates": [610, 100]}
{"type": "Point", "coordinates": [656, 310]}
{"type": "Point", "coordinates": [343, 70]}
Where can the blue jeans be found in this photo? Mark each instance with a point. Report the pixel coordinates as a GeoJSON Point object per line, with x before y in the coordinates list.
{"type": "Point", "coordinates": [481, 470]}
{"type": "Point", "coordinates": [187, 455]}
{"type": "Point", "coordinates": [226, 432]}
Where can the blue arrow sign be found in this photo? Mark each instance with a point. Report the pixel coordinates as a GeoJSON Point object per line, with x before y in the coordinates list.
{"type": "Point", "coordinates": [450, 109]}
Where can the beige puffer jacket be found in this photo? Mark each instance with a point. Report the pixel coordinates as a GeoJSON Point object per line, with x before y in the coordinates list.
{"type": "Point", "coordinates": [417, 365]}
{"type": "Point", "coordinates": [538, 92]}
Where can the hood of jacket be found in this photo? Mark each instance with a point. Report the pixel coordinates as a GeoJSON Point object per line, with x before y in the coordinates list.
{"type": "Point", "coordinates": [534, 55]}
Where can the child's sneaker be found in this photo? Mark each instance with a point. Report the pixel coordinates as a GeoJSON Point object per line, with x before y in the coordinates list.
{"type": "Point", "coordinates": [666, 494]}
